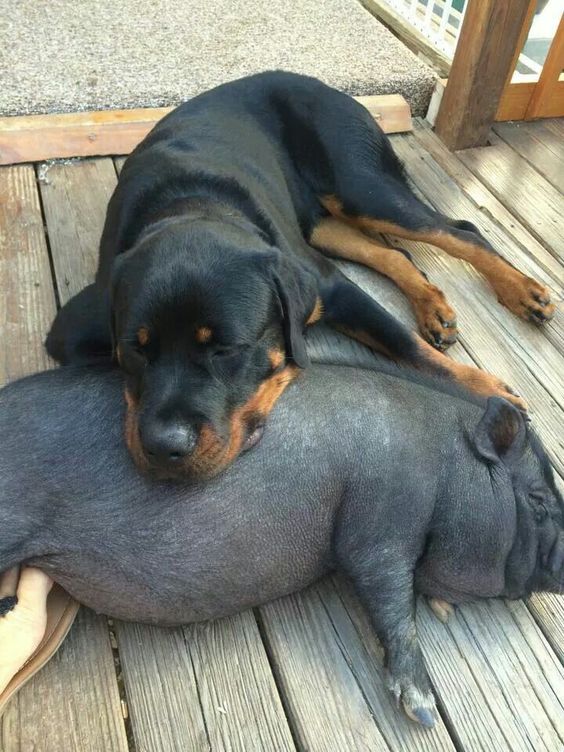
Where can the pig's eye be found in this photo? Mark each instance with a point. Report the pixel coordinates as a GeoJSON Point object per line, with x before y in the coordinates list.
{"type": "Point", "coordinates": [541, 513]}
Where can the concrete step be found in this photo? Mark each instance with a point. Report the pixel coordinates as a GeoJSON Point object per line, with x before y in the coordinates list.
{"type": "Point", "coordinates": [67, 56]}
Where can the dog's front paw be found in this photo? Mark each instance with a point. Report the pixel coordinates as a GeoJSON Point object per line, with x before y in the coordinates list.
{"type": "Point", "coordinates": [487, 385]}
{"type": "Point", "coordinates": [527, 299]}
{"type": "Point", "coordinates": [436, 318]}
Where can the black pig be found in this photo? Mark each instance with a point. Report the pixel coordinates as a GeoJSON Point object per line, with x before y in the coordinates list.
{"type": "Point", "coordinates": [403, 484]}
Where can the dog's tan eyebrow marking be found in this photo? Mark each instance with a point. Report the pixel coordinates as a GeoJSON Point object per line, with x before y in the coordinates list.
{"type": "Point", "coordinates": [143, 335]}
{"type": "Point", "coordinates": [203, 334]}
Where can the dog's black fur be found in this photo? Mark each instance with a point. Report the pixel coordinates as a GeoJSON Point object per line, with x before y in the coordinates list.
{"type": "Point", "coordinates": [206, 279]}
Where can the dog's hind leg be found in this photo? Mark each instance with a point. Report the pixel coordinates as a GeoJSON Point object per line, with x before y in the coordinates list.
{"type": "Point", "coordinates": [435, 317]}
{"type": "Point", "coordinates": [386, 204]}
{"type": "Point", "coordinates": [349, 164]}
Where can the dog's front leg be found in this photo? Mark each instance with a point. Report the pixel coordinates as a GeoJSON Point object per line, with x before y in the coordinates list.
{"type": "Point", "coordinates": [347, 308]}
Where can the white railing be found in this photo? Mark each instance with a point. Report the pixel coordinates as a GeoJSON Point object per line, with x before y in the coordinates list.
{"type": "Point", "coordinates": [438, 20]}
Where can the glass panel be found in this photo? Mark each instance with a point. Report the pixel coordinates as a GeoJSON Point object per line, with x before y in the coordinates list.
{"type": "Point", "coordinates": [535, 49]}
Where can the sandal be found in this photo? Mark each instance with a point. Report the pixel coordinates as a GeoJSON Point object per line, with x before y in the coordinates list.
{"type": "Point", "coordinates": [61, 612]}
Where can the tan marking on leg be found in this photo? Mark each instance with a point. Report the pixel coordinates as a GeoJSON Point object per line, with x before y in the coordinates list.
{"type": "Point", "coordinates": [143, 336]}
{"type": "Point", "coordinates": [436, 319]}
{"type": "Point", "coordinates": [203, 334]}
{"type": "Point", "coordinates": [275, 357]}
{"type": "Point", "coordinates": [522, 295]}
{"type": "Point", "coordinates": [316, 314]}
{"type": "Point", "coordinates": [474, 379]}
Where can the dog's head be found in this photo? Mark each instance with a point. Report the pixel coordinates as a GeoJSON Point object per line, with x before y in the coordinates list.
{"type": "Point", "coordinates": [208, 323]}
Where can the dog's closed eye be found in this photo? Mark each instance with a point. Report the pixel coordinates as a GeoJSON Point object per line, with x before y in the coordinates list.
{"type": "Point", "coordinates": [228, 351]}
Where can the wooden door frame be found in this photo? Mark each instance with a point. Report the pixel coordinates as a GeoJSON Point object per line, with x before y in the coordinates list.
{"type": "Point", "coordinates": [480, 89]}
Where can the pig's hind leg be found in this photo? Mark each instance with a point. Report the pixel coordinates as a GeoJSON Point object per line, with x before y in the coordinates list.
{"type": "Point", "coordinates": [383, 579]}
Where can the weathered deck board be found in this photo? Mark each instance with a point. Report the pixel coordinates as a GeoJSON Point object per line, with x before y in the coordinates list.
{"type": "Point", "coordinates": [77, 691]}
{"type": "Point", "coordinates": [27, 301]}
{"type": "Point", "coordinates": [76, 208]}
{"type": "Point", "coordinates": [555, 126]}
{"type": "Point", "coordinates": [202, 687]}
{"type": "Point", "coordinates": [536, 143]}
{"type": "Point", "coordinates": [156, 663]}
{"type": "Point", "coordinates": [491, 701]}
{"type": "Point", "coordinates": [73, 703]}
{"type": "Point", "coordinates": [548, 611]}
{"type": "Point", "coordinates": [518, 185]}
{"type": "Point", "coordinates": [75, 197]}
{"type": "Point", "coordinates": [240, 701]}
{"type": "Point", "coordinates": [319, 688]}
{"type": "Point", "coordinates": [462, 665]}
{"type": "Point", "coordinates": [528, 254]}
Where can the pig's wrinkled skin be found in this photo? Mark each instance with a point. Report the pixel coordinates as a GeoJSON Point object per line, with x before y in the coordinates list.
{"type": "Point", "coordinates": [404, 487]}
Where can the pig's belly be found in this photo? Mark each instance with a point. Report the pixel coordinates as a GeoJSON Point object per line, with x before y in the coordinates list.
{"type": "Point", "coordinates": [174, 593]}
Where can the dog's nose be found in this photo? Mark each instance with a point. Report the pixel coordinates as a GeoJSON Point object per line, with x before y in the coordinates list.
{"type": "Point", "coordinates": [169, 442]}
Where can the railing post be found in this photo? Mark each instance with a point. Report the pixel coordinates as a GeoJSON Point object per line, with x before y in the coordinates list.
{"type": "Point", "coordinates": [483, 60]}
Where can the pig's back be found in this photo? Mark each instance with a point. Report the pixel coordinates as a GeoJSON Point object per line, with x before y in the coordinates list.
{"type": "Point", "coordinates": [174, 553]}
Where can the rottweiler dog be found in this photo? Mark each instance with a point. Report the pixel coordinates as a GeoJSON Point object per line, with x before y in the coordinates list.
{"type": "Point", "coordinates": [215, 258]}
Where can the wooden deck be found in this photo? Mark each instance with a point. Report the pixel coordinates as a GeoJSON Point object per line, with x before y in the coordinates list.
{"type": "Point", "coordinates": [305, 672]}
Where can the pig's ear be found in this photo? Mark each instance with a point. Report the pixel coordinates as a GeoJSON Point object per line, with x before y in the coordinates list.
{"type": "Point", "coordinates": [501, 433]}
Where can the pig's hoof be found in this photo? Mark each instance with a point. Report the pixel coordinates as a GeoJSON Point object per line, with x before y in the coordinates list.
{"type": "Point", "coordinates": [442, 609]}
{"type": "Point", "coordinates": [421, 715]}
{"type": "Point", "coordinates": [7, 604]}
{"type": "Point", "coordinates": [418, 705]}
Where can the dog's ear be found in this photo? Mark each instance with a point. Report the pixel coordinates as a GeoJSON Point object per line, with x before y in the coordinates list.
{"type": "Point", "coordinates": [117, 297]}
{"type": "Point", "coordinates": [297, 291]}
{"type": "Point", "coordinates": [80, 333]}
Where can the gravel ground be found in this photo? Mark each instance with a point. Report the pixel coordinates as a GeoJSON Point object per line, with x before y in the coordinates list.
{"type": "Point", "coordinates": [72, 55]}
